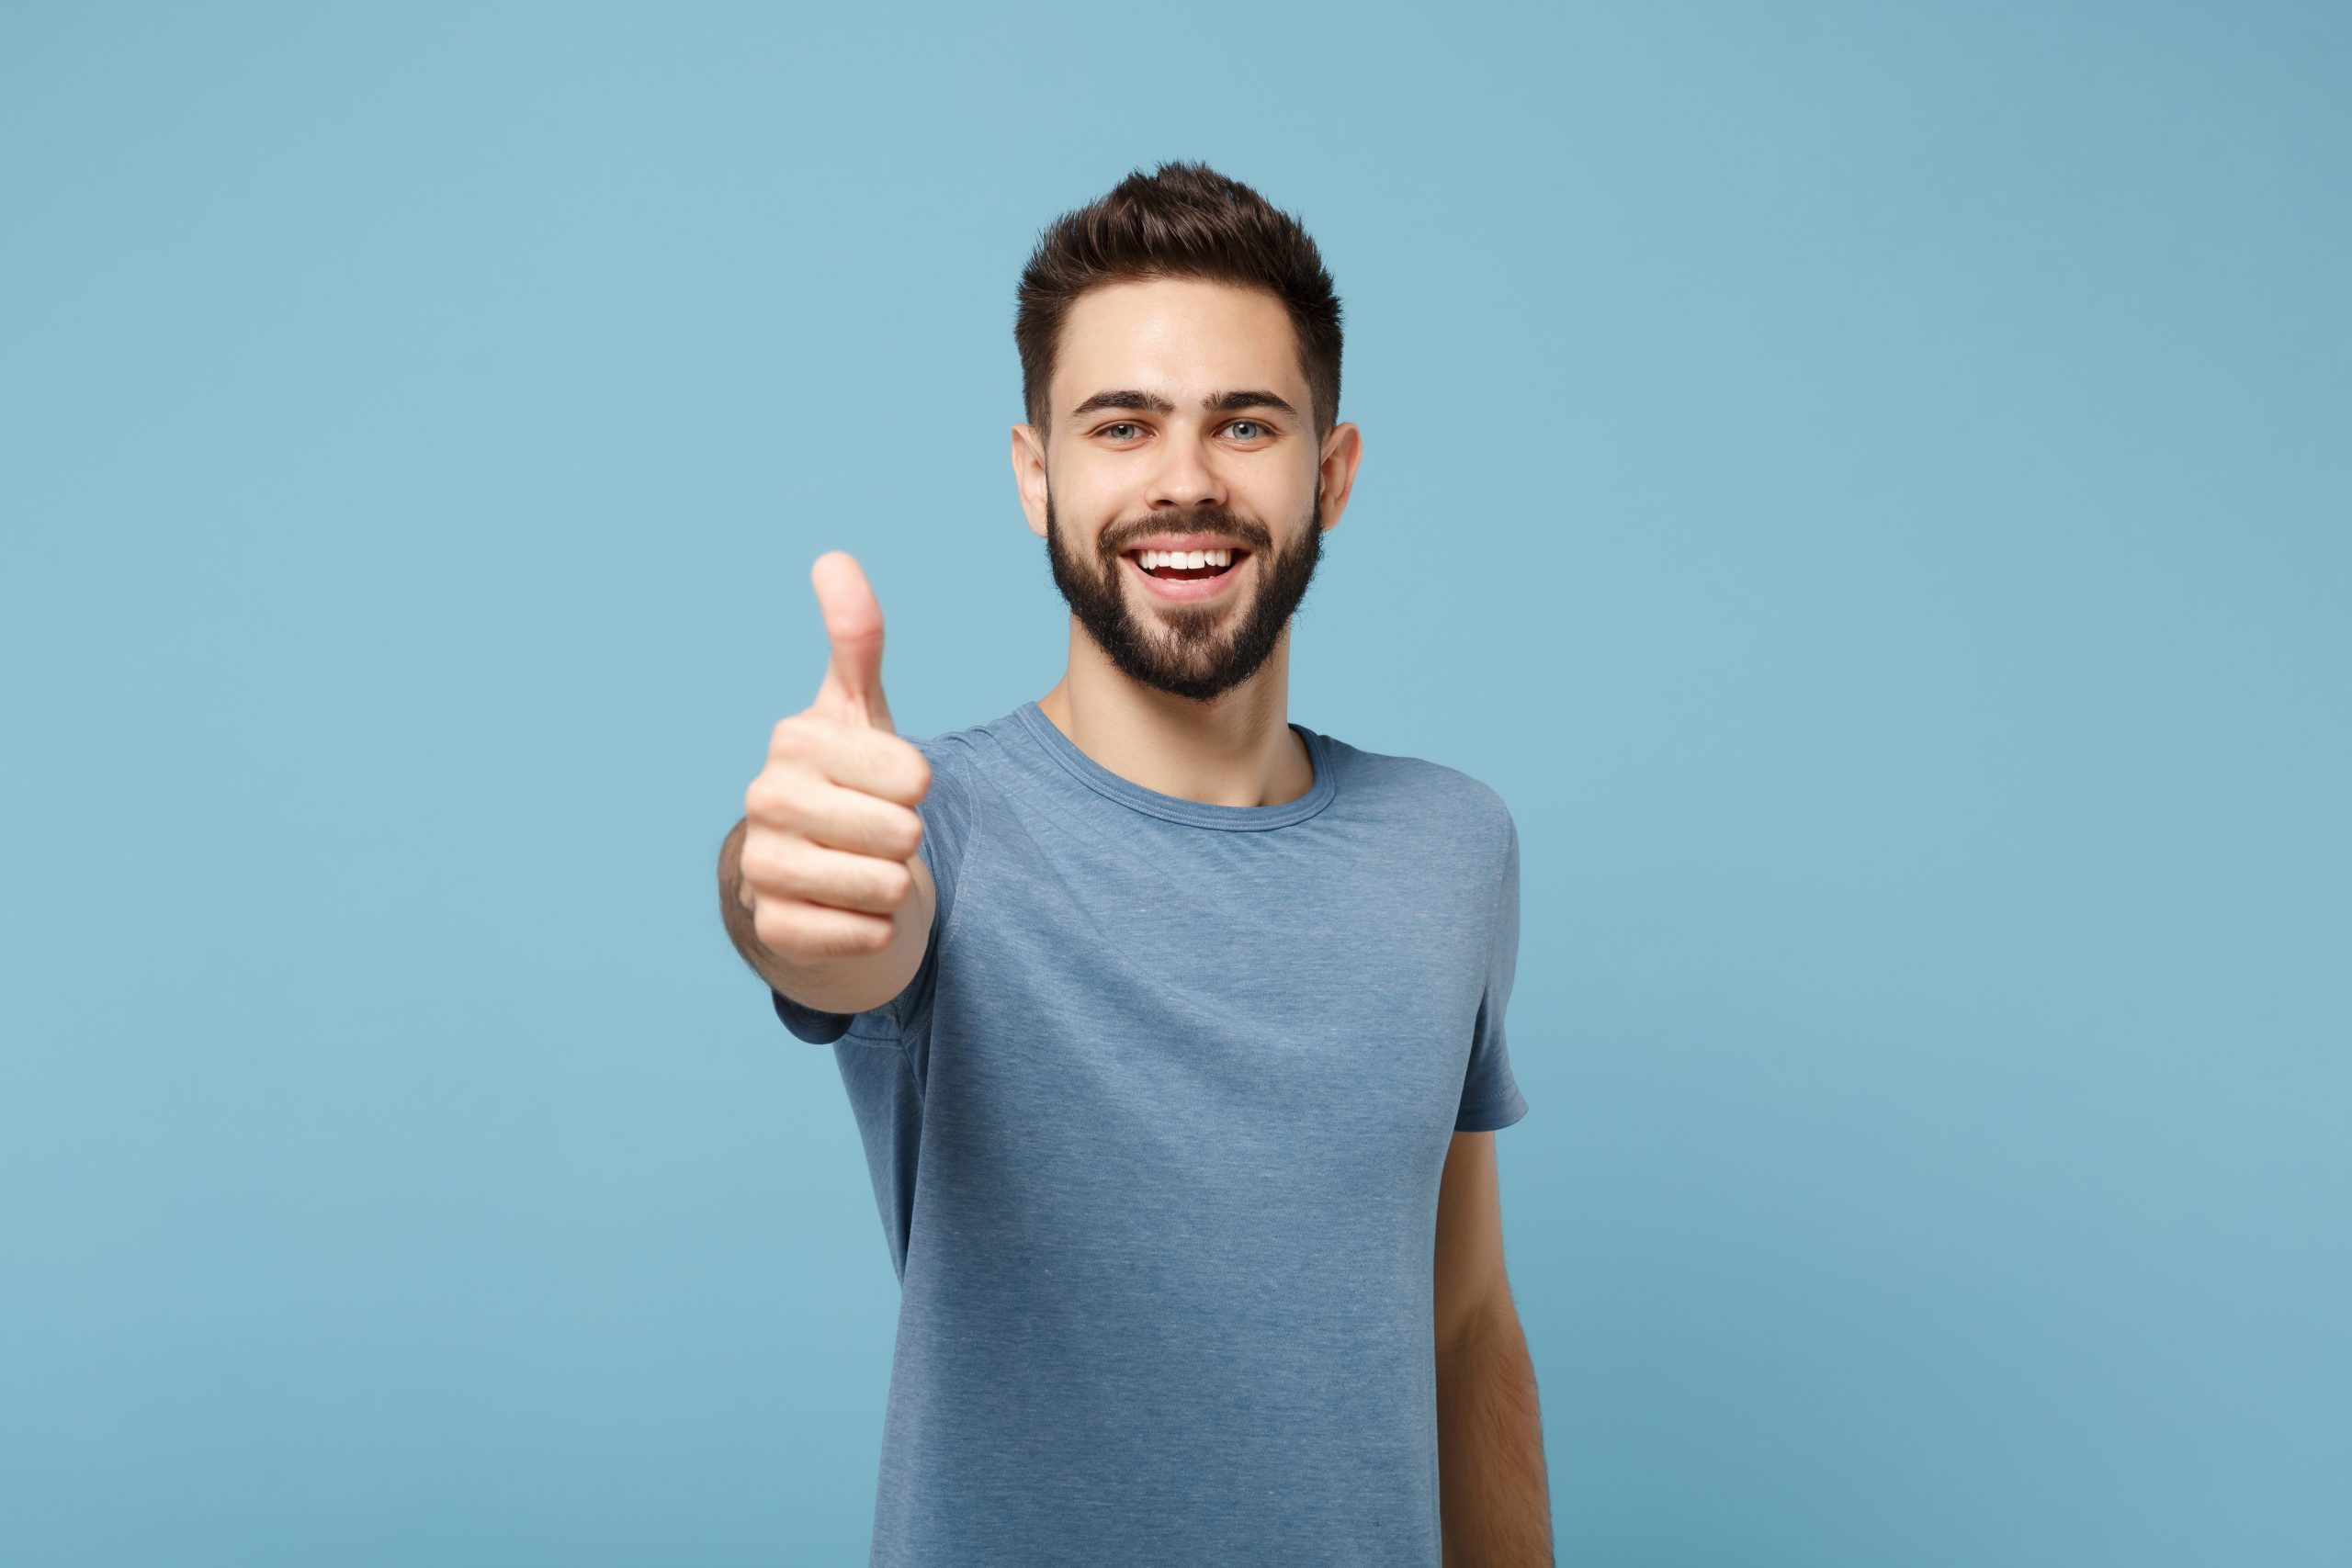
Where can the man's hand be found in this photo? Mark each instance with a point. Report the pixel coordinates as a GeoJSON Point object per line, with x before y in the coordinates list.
{"type": "Point", "coordinates": [830, 824]}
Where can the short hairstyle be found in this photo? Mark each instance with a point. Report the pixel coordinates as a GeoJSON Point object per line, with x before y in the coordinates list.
{"type": "Point", "coordinates": [1183, 219]}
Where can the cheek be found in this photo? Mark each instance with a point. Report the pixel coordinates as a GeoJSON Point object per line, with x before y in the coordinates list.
{"type": "Point", "coordinates": [1082, 514]}
{"type": "Point", "coordinates": [1277, 501]}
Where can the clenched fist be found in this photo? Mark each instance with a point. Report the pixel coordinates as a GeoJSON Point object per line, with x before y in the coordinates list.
{"type": "Point", "coordinates": [830, 824]}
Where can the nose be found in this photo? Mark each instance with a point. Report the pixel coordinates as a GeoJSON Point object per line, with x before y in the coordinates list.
{"type": "Point", "coordinates": [1184, 477]}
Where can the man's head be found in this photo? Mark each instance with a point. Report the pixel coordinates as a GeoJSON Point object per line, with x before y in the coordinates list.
{"type": "Point", "coordinates": [1180, 353]}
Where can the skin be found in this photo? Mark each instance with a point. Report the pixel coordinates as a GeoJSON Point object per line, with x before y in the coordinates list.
{"type": "Point", "coordinates": [1129, 470]}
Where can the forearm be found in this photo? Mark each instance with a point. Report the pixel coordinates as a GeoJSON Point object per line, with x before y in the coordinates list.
{"type": "Point", "coordinates": [1493, 1495]}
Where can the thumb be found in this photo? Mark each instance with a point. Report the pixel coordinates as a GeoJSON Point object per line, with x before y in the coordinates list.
{"type": "Point", "coordinates": [853, 686]}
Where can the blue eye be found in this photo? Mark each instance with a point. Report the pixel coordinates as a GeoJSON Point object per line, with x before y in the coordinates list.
{"type": "Point", "coordinates": [1260, 425]}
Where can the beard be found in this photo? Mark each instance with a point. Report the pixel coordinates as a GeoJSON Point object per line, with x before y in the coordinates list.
{"type": "Point", "coordinates": [1189, 650]}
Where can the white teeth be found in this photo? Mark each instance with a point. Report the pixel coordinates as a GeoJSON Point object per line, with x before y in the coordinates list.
{"type": "Point", "coordinates": [1194, 559]}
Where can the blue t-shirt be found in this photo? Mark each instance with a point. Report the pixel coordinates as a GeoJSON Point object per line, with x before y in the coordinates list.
{"type": "Point", "coordinates": [1155, 1132]}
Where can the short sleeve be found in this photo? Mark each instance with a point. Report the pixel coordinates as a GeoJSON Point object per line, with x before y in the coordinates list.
{"type": "Point", "coordinates": [1490, 1097]}
{"type": "Point", "coordinates": [948, 810]}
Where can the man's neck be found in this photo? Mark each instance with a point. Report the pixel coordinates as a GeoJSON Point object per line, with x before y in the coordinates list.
{"type": "Point", "coordinates": [1237, 748]}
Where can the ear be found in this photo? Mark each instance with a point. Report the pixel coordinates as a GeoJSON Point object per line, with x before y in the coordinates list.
{"type": "Point", "coordinates": [1336, 470]}
{"type": "Point", "coordinates": [1029, 475]}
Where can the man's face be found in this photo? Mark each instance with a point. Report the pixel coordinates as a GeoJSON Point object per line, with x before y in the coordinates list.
{"type": "Point", "coordinates": [1180, 416]}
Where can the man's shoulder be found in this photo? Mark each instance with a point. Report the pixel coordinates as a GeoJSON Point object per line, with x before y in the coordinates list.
{"type": "Point", "coordinates": [967, 751]}
{"type": "Point", "coordinates": [1450, 792]}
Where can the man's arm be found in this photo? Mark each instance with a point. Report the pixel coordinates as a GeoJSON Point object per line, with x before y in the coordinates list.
{"type": "Point", "coordinates": [1493, 1497]}
{"type": "Point", "coordinates": [821, 885]}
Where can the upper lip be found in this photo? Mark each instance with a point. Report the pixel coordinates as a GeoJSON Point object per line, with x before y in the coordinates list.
{"type": "Point", "coordinates": [1184, 542]}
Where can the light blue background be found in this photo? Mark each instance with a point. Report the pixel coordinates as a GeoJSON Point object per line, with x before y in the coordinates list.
{"type": "Point", "coordinates": [1869, 485]}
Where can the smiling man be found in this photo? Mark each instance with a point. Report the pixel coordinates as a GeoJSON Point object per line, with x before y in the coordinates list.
{"type": "Point", "coordinates": [1173, 1028]}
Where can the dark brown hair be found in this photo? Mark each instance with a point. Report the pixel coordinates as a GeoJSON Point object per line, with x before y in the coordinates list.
{"type": "Point", "coordinates": [1183, 219]}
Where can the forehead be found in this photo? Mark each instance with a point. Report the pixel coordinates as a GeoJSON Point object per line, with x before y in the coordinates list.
{"type": "Point", "coordinates": [1182, 336]}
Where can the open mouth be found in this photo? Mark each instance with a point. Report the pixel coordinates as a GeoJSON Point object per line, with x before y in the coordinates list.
{"type": "Point", "coordinates": [1186, 566]}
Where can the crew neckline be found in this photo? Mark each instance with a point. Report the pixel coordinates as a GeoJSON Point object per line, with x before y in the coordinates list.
{"type": "Point", "coordinates": [1176, 809]}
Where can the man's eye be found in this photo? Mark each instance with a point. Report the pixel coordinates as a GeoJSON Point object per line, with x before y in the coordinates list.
{"type": "Point", "coordinates": [1121, 424]}
{"type": "Point", "coordinates": [1254, 423]}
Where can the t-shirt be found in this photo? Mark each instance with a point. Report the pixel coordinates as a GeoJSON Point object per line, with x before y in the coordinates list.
{"type": "Point", "coordinates": [1155, 1132]}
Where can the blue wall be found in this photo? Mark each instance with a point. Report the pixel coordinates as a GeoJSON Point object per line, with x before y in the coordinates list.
{"type": "Point", "coordinates": [1868, 484]}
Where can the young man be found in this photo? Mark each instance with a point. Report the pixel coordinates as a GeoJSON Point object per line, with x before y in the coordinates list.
{"type": "Point", "coordinates": [1174, 1030]}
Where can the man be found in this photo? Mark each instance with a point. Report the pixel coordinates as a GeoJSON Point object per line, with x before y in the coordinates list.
{"type": "Point", "coordinates": [1174, 1030]}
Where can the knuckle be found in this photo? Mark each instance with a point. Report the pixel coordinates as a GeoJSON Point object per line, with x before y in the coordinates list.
{"type": "Point", "coordinates": [776, 797]}
{"type": "Point", "coordinates": [773, 928]}
{"type": "Point", "coordinates": [903, 771]}
{"type": "Point", "coordinates": [906, 835]}
{"type": "Point", "coordinates": [771, 864]}
{"type": "Point", "coordinates": [919, 774]}
{"type": "Point", "coordinates": [795, 736]}
{"type": "Point", "coordinates": [897, 884]}
{"type": "Point", "coordinates": [751, 861]}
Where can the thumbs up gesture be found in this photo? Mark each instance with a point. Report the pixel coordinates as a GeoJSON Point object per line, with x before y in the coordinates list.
{"type": "Point", "coordinates": [830, 824]}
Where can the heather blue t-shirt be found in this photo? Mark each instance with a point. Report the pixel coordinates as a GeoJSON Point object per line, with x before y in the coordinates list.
{"type": "Point", "coordinates": [1155, 1133]}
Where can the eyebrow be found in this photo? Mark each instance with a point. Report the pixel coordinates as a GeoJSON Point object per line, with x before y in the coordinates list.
{"type": "Point", "coordinates": [1152, 402]}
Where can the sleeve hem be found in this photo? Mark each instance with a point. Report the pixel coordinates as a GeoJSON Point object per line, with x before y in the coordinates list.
{"type": "Point", "coordinates": [813, 1025]}
{"type": "Point", "coordinates": [1491, 1118]}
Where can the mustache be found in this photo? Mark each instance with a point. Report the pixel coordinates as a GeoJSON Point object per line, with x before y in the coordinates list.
{"type": "Point", "coordinates": [1250, 535]}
